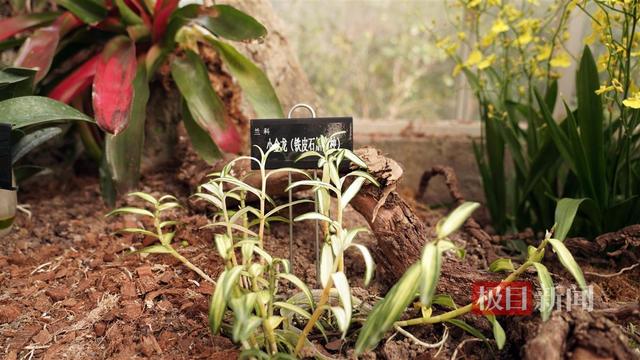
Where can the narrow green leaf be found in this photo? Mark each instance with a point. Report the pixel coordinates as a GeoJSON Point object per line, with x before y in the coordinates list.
{"type": "Point", "coordinates": [138, 231]}
{"type": "Point", "coordinates": [344, 293]}
{"type": "Point", "coordinates": [326, 264]}
{"type": "Point", "coordinates": [501, 265]}
{"type": "Point", "coordinates": [591, 121]}
{"type": "Point", "coordinates": [568, 262]}
{"type": "Point", "coordinates": [89, 11]}
{"type": "Point", "coordinates": [444, 300]}
{"type": "Point", "coordinates": [300, 284]}
{"type": "Point", "coordinates": [368, 261]}
{"type": "Point", "coordinates": [389, 309]}
{"type": "Point", "coordinates": [218, 305]}
{"type": "Point", "coordinates": [313, 216]}
{"type": "Point", "coordinates": [431, 263]}
{"type": "Point", "coordinates": [548, 299]}
{"type": "Point", "coordinates": [131, 210]}
{"type": "Point", "coordinates": [144, 196]}
{"type": "Point", "coordinates": [498, 331]}
{"type": "Point", "coordinates": [468, 328]}
{"type": "Point", "coordinates": [351, 192]}
{"type": "Point", "coordinates": [154, 249]}
{"type": "Point", "coordinates": [565, 213]}
{"type": "Point", "coordinates": [457, 217]}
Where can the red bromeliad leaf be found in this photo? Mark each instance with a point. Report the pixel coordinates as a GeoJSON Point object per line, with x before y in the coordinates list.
{"type": "Point", "coordinates": [74, 84]}
{"type": "Point", "coordinates": [206, 107]}
{"type": "Point", "coordinates": [13, 25]}
{"type": "Point", "coordinates": [113, 84]}
{"type": "Point", "coordinates": [38, 51]}
{"type": "Point", "coordinates": [67, 22]}
{"type": "Point", "coordinates": [162, 13]}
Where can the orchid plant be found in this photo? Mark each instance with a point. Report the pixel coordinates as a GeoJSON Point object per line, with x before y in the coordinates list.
{"type": "Point", "coordinates": [129, 40]}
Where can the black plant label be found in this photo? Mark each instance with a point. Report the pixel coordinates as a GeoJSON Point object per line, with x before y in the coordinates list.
{"type": "Point", "coordinates": [5, 157]}
{"type": "Point", "coordinates": [297, 136]}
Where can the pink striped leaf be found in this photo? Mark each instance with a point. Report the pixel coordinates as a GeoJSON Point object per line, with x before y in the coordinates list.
{"type": "Point", "coordinates": [192, 79]}
{"type": "Point", "coordinates": [113, 84]}
{"type": "Point", "coordinates": [38, 50]}
{"type": "Point", "coordinates": [13, 25]}
{"type": "Point", "coordinates": [162, 13]}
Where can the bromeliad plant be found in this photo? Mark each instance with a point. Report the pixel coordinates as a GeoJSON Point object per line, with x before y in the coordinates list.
{"type": "Point", "coordinates": [125, 42]}
{"type": "Point", "coordinates": [28, 129]}
{"type": "Point", "coordinates": [420, 280]}
{"type": "Point", "coordinates": [264, 319]}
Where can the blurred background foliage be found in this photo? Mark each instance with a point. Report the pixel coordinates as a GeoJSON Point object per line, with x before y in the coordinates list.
{"type": "Point", "coordinates": [374, 59]}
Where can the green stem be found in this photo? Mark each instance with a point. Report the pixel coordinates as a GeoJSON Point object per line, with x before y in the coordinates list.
{"type": "Point", "coordinates": [188, 264]}
{"type": "Point", "coordinates": [467, 308]}
{"type": "Point", "coordinates": [91, 146]}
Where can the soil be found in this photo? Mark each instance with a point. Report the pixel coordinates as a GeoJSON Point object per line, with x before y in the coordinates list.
{"type": "Point", "coordinates": [69, 289]}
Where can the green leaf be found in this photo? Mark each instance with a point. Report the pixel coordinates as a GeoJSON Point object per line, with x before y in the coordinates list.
{"type": "Point", "coordinates": [351, 192]}
{"type": "Point", "coordinates": [37, 110]}
{"type": "Point", "coordinates": [457, 217]}
{"type": "Point", "coordinates": [444, 300]}
{"type": "Point", "coordinates": [230, 23]}
{"type": "Point", "coordinates": [501, 265]}
{"type": "Point", "coordinates": [326, 264]}
{"type": "Point", "coordinates": [254, 83]}
{"type": "Point", "coordinates": [89, 11]}
{"type": "Point", "coordinates": [354, 158]}
{"type": "Point", "coordinates": [548, 299]}
{"type": "Point", "coordinates": [218, 305]}
{"type": "Point", "coordinates": [389, 309]}
{"type": "Point", "coordinates": [123, 152]}
{"type": "Point", "coordinates": [32, 140]}
{"type": "Point", "coordinates": [565, 213]}
{"type": "Point", "coordinates": [192, 78]}
{"type": "Point", "coordinates": [313, 216]}
{"type": "Point", "coordinates": [568, 261]}
{"type": "Point", "coordinates": [498, 331]}
{"type": "Point", "coordinates": [344, 293]}
{"type": "Point", "coordinates": [200, 140]}
{"type": "Point", "coordinates": [131, 210]}
{"type": "Point", "coordinates": [128, 15]}
{"type": "Point", "coordinates": [368, 261]}
{"type": "Point", "coordinates": [431, 263]}
{"type": "Point", "coordinates": [154, 249]}
{"type": "Point", "coordinates": [300, 284]}
{"type": "Point", "coordinates": [138, 231]}
{"type": "Point", "coordinates": [144, 196]}
{"type": "Point", "coordinates": [468, 328]}
{"type": "Point", "coordinates": [591, 120]}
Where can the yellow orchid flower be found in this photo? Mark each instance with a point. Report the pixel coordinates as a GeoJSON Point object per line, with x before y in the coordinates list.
{"type": "Point", "coordinates": [474, 58]}
{"type": "Point", "coordinates": [486, 62]}
{"type": "Point", "coordinates": [562, 60]}
{"type": "Point", "coordinates": [499, 26]}
{"type": "Point", "coordinates": [633, 101]}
